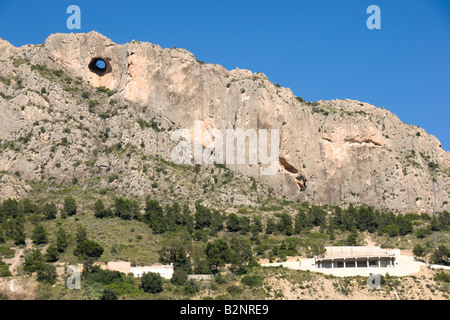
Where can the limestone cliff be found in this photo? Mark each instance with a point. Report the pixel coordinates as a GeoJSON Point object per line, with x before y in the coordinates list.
{"type": "Point", "coordinates": [53, 125]}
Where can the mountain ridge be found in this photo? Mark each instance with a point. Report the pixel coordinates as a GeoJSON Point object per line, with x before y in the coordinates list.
{"type": "Point", "coordinates": [342, 150]}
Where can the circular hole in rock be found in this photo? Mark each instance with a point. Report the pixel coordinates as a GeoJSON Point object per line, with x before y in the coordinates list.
{"type": "Point", "coordinates": [99, 66]}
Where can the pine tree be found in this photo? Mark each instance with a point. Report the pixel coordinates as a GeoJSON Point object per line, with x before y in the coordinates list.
{"type": "Point", "coordinates": [52, 253]}
{"type": "Point", "coordinates": [33, 261]}
{"type": "Point", "coordinates": [80, 233]}
{"type": "Point", "coordinates": [154, 216]}
{"type": "Point", "coordinates": [61, 240]}
{"type": "Point", "coordinates": [50, 210]}
{"type": "Point", "coordinates": [39, 235]}
{"type": "Point", "coordinates": [70, 206]}
{"type": "Point", "coordinates": [233, 223]}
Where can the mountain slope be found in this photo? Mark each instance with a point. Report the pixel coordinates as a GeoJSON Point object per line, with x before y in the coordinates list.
{"type": "Point", "coordinates": [64, 119]}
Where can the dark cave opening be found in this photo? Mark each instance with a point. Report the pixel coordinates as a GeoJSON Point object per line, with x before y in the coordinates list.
{"type": "Point", "coordinates": [99, 66]}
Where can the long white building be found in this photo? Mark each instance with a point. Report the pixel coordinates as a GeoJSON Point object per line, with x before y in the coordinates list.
{"type": "Point", "coordinates": [356, 261]}
{"type": "Point", "coordinates": [165, 271]}
{"type": "Point", "coordinates": [356, 257]}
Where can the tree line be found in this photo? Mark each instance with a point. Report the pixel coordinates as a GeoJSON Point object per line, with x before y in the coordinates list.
{"type": "Point", "coordinates": [204, 223]}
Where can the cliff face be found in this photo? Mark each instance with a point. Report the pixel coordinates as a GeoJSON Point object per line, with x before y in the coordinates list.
{"type": "Point", "coordinates": [53, 124]}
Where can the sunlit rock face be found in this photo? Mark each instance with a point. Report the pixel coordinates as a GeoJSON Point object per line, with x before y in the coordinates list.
{"type": "Point", "coordinates": [336, 152]}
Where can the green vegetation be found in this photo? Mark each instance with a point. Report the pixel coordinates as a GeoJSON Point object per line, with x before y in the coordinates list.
{"type": "Point", "coordinates": [154, 124]}
{"type": "Point", "coordinates": [152, 282]}
{"type": "Point", "coordinates": [105, 90]}
{"type": "Point", "coordinates": [4, 270]}
{"type": "Point", "coordinates": [195, 237]}
{"type": "Point", "coordinates": [88, 249]}
{"type": "Point", "coordinates": [39, 235]}
{"type": "Point", "coordinates": [49, 73]}
{"type": "Point", "coordinates": [19, 61]}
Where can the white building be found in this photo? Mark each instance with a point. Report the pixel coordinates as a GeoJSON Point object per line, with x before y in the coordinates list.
{"type": "Point", "coordinates": [356, 257]}
{"type": "Point", "coordinates": [356, 261]}
{"type": "Point", "coordinates": [165, 271]}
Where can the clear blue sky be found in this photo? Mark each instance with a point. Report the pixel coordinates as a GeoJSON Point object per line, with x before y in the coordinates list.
{"type": "Point", "coordinates": [321, 49]}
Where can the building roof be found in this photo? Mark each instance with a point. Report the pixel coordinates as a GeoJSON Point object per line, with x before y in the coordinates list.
{"type": "Point", "coordinates": [354, 252]}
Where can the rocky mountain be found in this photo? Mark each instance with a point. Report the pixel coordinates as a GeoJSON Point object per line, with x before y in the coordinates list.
{"type": "Point", "coordinates": [65, 117]}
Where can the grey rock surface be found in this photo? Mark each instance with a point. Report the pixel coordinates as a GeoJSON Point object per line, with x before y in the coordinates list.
{"type": "Point", "coordinates": [54, 123]}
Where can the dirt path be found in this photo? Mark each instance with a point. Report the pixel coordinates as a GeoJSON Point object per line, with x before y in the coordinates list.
{"type": "Point", "coordinates": [15, 262]}
{"type": "Point", "coordinates": [18, 287]}
{"type": "Point", "coordinates": [369, 241]}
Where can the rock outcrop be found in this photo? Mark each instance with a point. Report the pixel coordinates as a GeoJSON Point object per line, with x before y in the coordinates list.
{"type": "Point", "coordinates": [334, 152]}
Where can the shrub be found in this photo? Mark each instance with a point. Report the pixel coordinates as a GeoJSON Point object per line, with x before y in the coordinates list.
{"type": "Point", "coordinates": [124, 288]}
{"type": "Point", "coordinates": [88, 249]}
{"type": "Point", "coordinates": [179, 277]}
{"type": "Point", "coordinates": [105, 277]}
{"type": "Point", "coordinates": [109, 294]}
{"type": "Point", "coordinates": [219, 279]}
{"type": "Point", "coordinates": [418, 251]}
{"type": "Point", "coordinates": [7, 253]}
{"type": "Point", "coordinates": [442, 277]}
{"type": "Point", "coordinates": [191, 287]}
{"type": "Point", "coordinates": [422, 233]}
{"type": "Point", "coordinates": [92, 105]}
{"type": "Point", "coordinates": [252, 280]}
{"type": "Point", "coordinates": [47, 274]}
{"type": "Point", "coordinates": [4, 270]}
{"type": "Point", "coordinates": [234, 290]}
{"type": "Point", "coordinates": [92, 291]}
{"type": "Point", "coordinates": [152, 282]}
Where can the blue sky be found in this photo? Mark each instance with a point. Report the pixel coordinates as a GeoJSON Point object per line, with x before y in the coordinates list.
{"type": "Point", "coordinates": [320, 49]}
